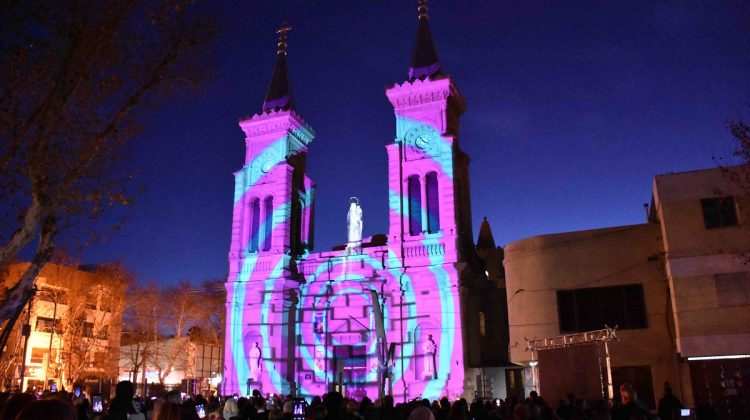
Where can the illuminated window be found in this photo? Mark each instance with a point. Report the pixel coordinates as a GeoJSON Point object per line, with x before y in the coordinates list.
{"type": "Point", "coordinates": [415, 205]}
{"type": "Point", "coordinates": [254, 224]}
{"type": "Point", "coordinates": [268, 223]}
{"type": "Point", "coordinates": [45, 325]}
{"type": "Point", "coordinates": [589, 309]}
{"type": "Point", "coordinates": [433, 203]}
{"type": "Point", "coordinates": [38, 354]}
{"type": "Point", "coordinates": [482, 325]}
{"type": "Point", "coordinates": [719, 212]}
{"type": "Point", "coordinates": [207, 360]}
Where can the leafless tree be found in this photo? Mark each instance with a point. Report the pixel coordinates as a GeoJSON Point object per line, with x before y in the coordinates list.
{"type": "Point", "coordinates": [161, 324]}
{"type": "Point", "coordinates": [212, 312]}
{"type": "Point", "coordinates": [740, 174]}
{"type": "Point", "coordinates": [75, 78]}
{"type": "Point", "coordinates": [90, 325]}
{"type": "Point", "coordinates": [140, 324]}
{"type": "Point", "coordinates": [182, 313]}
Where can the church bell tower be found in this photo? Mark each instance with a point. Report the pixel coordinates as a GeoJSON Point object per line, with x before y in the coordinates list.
{"type": "Point", "coordinates": [271, 228]}
{"type": "Point", "coordinates": [428, 173]}
{"type": "Point", "coordinates": [273, 195]}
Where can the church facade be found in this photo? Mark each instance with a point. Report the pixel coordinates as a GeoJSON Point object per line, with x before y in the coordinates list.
{"type": "Point", "coordinates": [398, 313]}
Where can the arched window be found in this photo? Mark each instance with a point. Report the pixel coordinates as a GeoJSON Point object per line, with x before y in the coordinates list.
{"type": "Point", "coordinates": [415, 205]}
{"type": "Point", "coordinates": [268, 226]}
{"type": "Point", "coordinates": [433, 203]}
{"type": "Point", "coordinates": [254, 224]}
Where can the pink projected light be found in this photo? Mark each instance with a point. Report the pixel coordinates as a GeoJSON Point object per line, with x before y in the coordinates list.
{"type": "Point", "coordinates": [383, 318]}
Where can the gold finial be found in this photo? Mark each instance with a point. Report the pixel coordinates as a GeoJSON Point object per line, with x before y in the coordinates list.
{"type": "Point", "coordinates": [282, 31]}
{"type": "Point", "coordinates": [422, 9]}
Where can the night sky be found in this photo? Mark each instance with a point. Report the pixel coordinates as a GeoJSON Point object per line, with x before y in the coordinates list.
{"type": "Point", "coordinates": [573, 107]}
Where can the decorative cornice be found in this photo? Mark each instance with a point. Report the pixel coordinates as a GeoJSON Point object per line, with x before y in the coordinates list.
{"type": "Point", "coordinates": [277, 122]}
{"type": "Point", "coordinates": [419, 92]}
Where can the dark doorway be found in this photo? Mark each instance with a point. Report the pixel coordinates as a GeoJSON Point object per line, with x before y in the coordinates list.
{"type": "Point", "coordinates": [351, 369]}
{"type": "Point", "coordinates": [514, 384]}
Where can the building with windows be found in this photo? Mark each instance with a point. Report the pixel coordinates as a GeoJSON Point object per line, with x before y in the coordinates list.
{"type": "Point", "coordinates": [403, 313]}
{"type": "Point", "coordinates": [677, 288]}
{"type": "Point", "coordinates": [188, 363]}
{"type": "Point", "coordinates": [704, 218]}
{"type": "Point", "coordinates": [74, 329]}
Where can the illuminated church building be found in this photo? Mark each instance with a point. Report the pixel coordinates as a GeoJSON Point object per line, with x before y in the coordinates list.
{"type": "Point", "coordinates": [419, 312]}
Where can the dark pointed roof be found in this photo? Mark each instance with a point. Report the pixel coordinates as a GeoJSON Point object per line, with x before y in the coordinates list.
{"type": "Point", "coordinates": [424, 59]}
{"type": "Point", "coordinates": [485, 239]}
{"type": "Point", "coordinates": [279, 94]}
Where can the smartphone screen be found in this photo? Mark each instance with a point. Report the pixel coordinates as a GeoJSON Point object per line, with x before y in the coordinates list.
{"type": "Point", "coordinates": [53, 387]}
{"type": "Point", "coordinates": [76, 391]}
{"type": "Point", "coordinates": [98, 406]}
{"type": "Point", "coordinates": [300, 406]}
{"type": "Point", "coordinates": [684, 412]}
{"type": "Point", "coordinates": [201, 411]}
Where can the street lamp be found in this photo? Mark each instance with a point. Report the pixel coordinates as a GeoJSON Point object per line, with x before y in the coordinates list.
{"type": "Point", "coordinates": [534, 375]}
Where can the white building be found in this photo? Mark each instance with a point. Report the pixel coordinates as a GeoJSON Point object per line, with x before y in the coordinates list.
{"type": "Point", "coordinates": [176, 362]}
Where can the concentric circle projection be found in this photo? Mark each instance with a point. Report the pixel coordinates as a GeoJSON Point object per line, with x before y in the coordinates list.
{"type": "Point", "coordinates": [334, 333]}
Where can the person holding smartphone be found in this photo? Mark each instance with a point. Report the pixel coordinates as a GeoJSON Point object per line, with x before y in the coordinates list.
{"type": "Point", "coordinates": [122, 407]}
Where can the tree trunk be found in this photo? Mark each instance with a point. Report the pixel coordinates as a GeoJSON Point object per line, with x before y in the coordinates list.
{"type": "Point", "coordinates": [24, 234]}
{"type": "Point", "coordinates": [22, 291]}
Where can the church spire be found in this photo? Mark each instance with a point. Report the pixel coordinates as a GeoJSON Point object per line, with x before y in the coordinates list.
{"type": "Point", "coordinates": [485, 239]}
{"type": "Point", "coordinates": [424, 59]}
{"type": "Point", "coordinates": [279, 94]}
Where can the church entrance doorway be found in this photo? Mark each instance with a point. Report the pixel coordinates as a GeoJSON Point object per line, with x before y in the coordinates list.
{"type": "Point", "coordinates": [350, 364]}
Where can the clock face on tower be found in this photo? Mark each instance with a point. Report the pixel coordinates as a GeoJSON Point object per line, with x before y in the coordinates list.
{"type": "Point", "coordinates": [421, 140]}
{"type": "Point", "coordinates": [264, 162]}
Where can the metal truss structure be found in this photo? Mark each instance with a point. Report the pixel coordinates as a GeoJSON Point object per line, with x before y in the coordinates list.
{"type": "Point", "coordinates": [594, 337]}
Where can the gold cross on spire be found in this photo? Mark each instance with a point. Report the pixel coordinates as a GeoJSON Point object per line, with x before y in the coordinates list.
{"type": "Point", "coordinates": [282, 31]}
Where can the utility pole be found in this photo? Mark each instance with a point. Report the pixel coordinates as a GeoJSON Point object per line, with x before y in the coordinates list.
{"type": "Point", "coordinates": [26, 332]}
{"type": "Point", "coordinates": [51, 336]}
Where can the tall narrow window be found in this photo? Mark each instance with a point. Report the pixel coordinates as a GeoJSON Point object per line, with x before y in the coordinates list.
{"type": "Point", "coordinates": [295, 236]}
{"type": "Point", "coordinates": [303, 223]}
{"type": "Point", "coordinates": [415, 205]}
{"type": "Point", "coordinates": [433, 203]}
{"type": "Point", "coordinates": [254, 224]}
{"type": "Point", "coordinates": [268, 226]}
{"type": "Point", "coordinates": [482, 325]}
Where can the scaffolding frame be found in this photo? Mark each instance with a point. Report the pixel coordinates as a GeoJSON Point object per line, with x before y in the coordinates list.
{"type": "Point", "coordinates": [603, 336]}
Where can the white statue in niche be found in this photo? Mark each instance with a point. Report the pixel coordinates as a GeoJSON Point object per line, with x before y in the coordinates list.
{"type": "Point", "coordinates": [354, 225]}
{"type": "Point", "coordinates": [428, 356]}
{"type": "Point", "coordinates": [255, 362]}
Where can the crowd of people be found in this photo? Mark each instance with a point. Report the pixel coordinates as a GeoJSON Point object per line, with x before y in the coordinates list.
{"type": "Point", "coordinates": [331, 406]}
